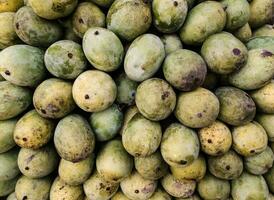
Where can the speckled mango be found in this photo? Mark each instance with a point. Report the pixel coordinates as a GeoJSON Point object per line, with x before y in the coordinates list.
{"type": "Point", "coordinates": [73, 138]}
{"type": "Point", "coordinates": [269, 178]}
{"type": "Point", "coordinates": [138, 188]}
{"type": "Point", "coordinates": [224, 53]}
{"type": "Point", "coordinates": [129, 18]}
{"type": "Point", "coordinates": [130, 112]}
{"type": "Point", "coordinates": [144, 57]}
{"type": "Point", "coordinates": [103, 3]}
{"type": "Point", "coordinates": [96, 96]}
{"type": "Point", "coordinates": [193, 197]}
{"type": "Point", "coordinates": [119, 196]}
{"type": "Point", "coordinates": [22, 65]}
{"type": "Point", "coordinates": [87, 15]}
{"type": "Point", "coordinates": [266, 30]}
{"type": "Point", "coordinates": [265, 42]}
{"type": "Point", "coordinates": [160, 194]}
{"type": "Point", "coordinates": [6, 137]}
{"type": "Point", "coordinates": [7, 187]}
{"type": "Point", "coordinates": [35, 31]}
{"type": "Point", "coordinates": [171, 42]}
{"type": "Point", "coordinates": [10, 5]}
{"type": "Point", "coordinates": [236, 106]}
{"type": "Point", "coordinates": [202, 21]}
{"type": "Point", "coordinates": [180, 145]}
{"type": "Point", "coordinates": [8, 165]}
{"type": "Point", "coordinates": [13, 100]}
{"type": "Point", "coordinates": [267, 122]}
{"type": "Point", "coordinates": [260, 12]}
{"type": "Point", "coordinates": [184, 69]}
{"type": "Point", "coordinates": [53, 9]}
{"type": "Point", "coordinates": [198, 108]}
{"type": "Point", "coordinates": [53, 98]}
{"type": "Point", "coordinates": [243, 33]}
{"type": "Point", "coordinates": [249, 139]}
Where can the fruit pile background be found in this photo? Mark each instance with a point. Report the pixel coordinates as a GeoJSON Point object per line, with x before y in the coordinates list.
{"type": "Point", "coordinates": [136, 99]}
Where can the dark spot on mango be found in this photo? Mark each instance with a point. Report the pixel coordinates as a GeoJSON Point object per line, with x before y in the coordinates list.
{"type": "Point", "coordinates": [136, 3]}
{"type": "Point", "coordinates": [175, 3]}
{"type": "Point", "coordinates": [136, 191]}
{"type": "Point", "coordinates": [25, 198]}
{"type": "Point", "coordinates": [165, 95]}
{"type": "Point", "coordinates": [108, 188]}
{"type": "Point", "coordinates": [209, 141]}
{"type": "Point", "coordinates": [96, 33]}
{"type": "Point", "coordinates": [70, 55]}
{"type": "Point", "coordinates": [225, 7]}
{"type": "Point", "coordinates": [86, 96]}
{"type": "Point", "coordinates": [16, 137]}
{"type": "Point", "coordinates": [227, 167]}
{"type": "Point", "coordinates": [236, 51]}
{"type": "Point", "coordinates": [26, 168]}
{"type": "Point", "coordinates": [252, 151]}
{"type": "Point", "coordinates": [25, 139]}
{"type": "Point", "coordinates": [52, 108]}
{"type": "Point", "coordinates": [81, 21]}
{"type": "Point", "coordinates": [199, 115]}
{"type": "Point", "coordinates": [137, 154]}
{"type": "Point", "coordinates": [7, 72]}
{"type": "Point", "coordinates": [266, 53]}
{"type": "Point", "coordinates": [17, 25]}
{"type": "Point", "coordinates": [61, 187]}
{"type": "Point", "coordinates": [146, 1]}
{"type": "Point", "coordinates": [43, 111]}
{"type": "Point", "coordinates": [101, 185]}
{"type": "Point", "coordinates": [183, 162]}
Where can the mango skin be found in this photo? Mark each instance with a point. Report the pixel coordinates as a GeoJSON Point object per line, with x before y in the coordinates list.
{"type": "Point", "coordinates": [180, 145]}
{"type": "Point", "coordinates": [53, 98]}
{"type": "Point", "coordinates": [168, 17]}
{"type": "Point", "coordinates": [68, 30]}
{"type": "Point", "coordinates": [184, 69]}
{"type": "Point", "coordinates": [129, 19]}
{"type": "Point", "coordinates": [119, 196]}
{"type": "Point", "coordinates": [96, 96]}
{"type": "Point", "coordinates": [33, 131]}
{"type": "Point", "coordinates": [249, 139]}
{"type": "Point", "coordinates": [144, 57]}
{"type": "Point", "coordinates": [130, 112]}
{"type": "Point", "coordinates": [1, 78]}
{"type": "Point", "coordinates": [12, 196]}
{"type": "Point", "coordinates": [193, 197]}
{"type": "Point", "coordinates": [53, 9]}
{"type": "Point", "coordinates": [202, 21]}
{"type": "Point", "coordinates": [73, 138]}
{"type": "Point", "coordinates": [7, 187]}
{"type": "Point", "coordinates": [194, 111]}
{"type": "Point", "coordinates": [171, 42]}
{"type": "Point", "coordinates": [243, 33]}
{"type": "Point", "coordinates": [265, 42]}
{"type": "Point", "coordinates": [236, 106]}
{"type": "Point", "coordinates": [38, 163]}
{"type": "Point", "coordinates": [6, 137]}
{"type": "Point", "coordinates": [266, 30]}
{"type": "Point", "coordinates": [10, 5]}
{"type": "Point", "coordinates": [35, 31]}
{"type": "Point", "coordinates": [234, 50]}
{"type": "Point", "coordinates": [65, 59]}
{"type": "Point", "coordinates": [260, 12]}
{"type": "Point", "coordinates": [267, 122]}
{"type": "Point", "coordinates": [151, 167]}
{"type": "Point", "coordinates": [228, 166]}
{"type": "Point", "coordinates": [60, 190]}
{"type": "Point", "coordinates": [257, 72]}
{"type": "Point", "coordinates": [103, 3]}
{"type": "Point", "coordinates": [76, 173]}
{"type": "Point", "coordinates": [249, 186]}
{"type": "Point", "coordinates": [13, 100]}
{"type": "Point", "coordinates": [8, 35]}
{"type": "Point", "coordinates": [8, 165]}
{"type": "Point", "coordinates": [160, 194]}
{"type": "Point", "coordinates": [27, 188]}
{"type": "Point", "coordinates": [22, 65]}
{"type": "Point", "coordinates": [137, 187]}
{"type": "Point", "coordinates": [178, 188]}
{"type": "Point", "coordinates": [97, 188]}
{"type": "Point", "coordinates": [87, 15]}
{"type": "Point", "coordinates": [269, 178]}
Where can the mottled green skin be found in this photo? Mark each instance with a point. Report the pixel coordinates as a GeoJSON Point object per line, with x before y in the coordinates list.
{"type": "Point", "coordinates": [1, 78]}
{"type": "Point", "coordinates": [260, 12]}
{"type": "Point", "coordinates": [160, 194]}
{"type": "Point", "coordinates": [87, 15]}
{"type": "Point", "coordinates": [138, 188]}
{"type": "Point", "coordinates": [96, 96]}
{"type": "Point", "coordinates": [155, 99]}
{"type": "Point", "coordinates": [224, 53]}
{"type": "Point", "coordinates": [103, 3]}
{"type": "Point", "coordinates": [8, 165]}
{"type": "Point", "coordinates": [6, 136]}
{"type": "Point", "coordinates": [73, 138]}
{"type": "Point", "coordinates": [269, 177]}
{"type": "Point", "coordinates": [28, 188]}
{"type": "Point", "coordinates": [265, 42]}
{"type": "Point", "coordinates": [171, 42]}
{"type": "Point", "coordinates": [144, 57]}
{"type": "Point", "coordinates": [266, 30]}
{"type": "Point", "coordinates": [10, 5]}
{"type": "Point", "coordinates": [212, 188]}
{"type": "Point", "coordinates": [236, 106]}
{"type": "Point", "coordinates": [97, 188]}
{"type": "Point", "coordinates": [130, 112]}
{"type": "Point", "coordinates": [243, 33]}
{"type": "Point", "coordinates": [126, 90]}
{"type": "Point", "coordinates": [12, 196]}
{"type": "Point", "coordinates": [8, 35]}
{"type": "Point", "coordinates": [60, 190]}
{"type": "Point", "coordinates": [228, 166]}
{"type": "Point", "coordinates": [22, 65]}
{"type": "Point", "coordinates": [184, 69]}
{"type": "Point", "coordinates": [65, 59]}
{"type": "Point", "coordinates": [211, 81]}
{"type": "Point", "coordinates": [202, 21]}
{"type": "Point", "coordinates": [168, 17]}
{"type": "Point", "coordinates": [129, 18]}
{"type": "Point", "coordinates": [53, 98]}
{"type": "Point", "coordinates": [33, 131]}
{"type": "Point", "coordinates": [267, 122]}
{"type": "Point", "coordinates": [178, 188]}
{"type": "Point", "coordinates": [198, 108]}
{"type": "Point", "coordinates": [7, 187]}
{"type": "Point", "coordinates": [13, 100]}
{"type": "Point", "coordinates": [259, 164]}
{"type": "Point", "coordinates": [195, 171]}
{"type": "Point", "coordinates": [249, 139]}
{"type": "Point", "coordinates": [106, 123]}
{"type": "Point", "coordinates": [76, 173]}
{"type": "Point", "coordinates": [237, 13]}
{"type": "Point", "coordinates": [113, 163]}
{"type": "Point", "coordinates": [193, 197]}
{"type": "Point", "coordinates": [38, 163]}
{"type": "Point", "coordinates": [141, 137]}
{"type": "Point", "coordinates": [180, 145]}
{"type": "Point", "coordinates": [151, 167]}
{"type": "Point", "coordinates": [249, 187]}
{"type": "Point", "coordinates": [119, 196]}
{"type": "Point", "coordinates": [53, 9]}
{"type": "Point", "coordinates": [34, 30]}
